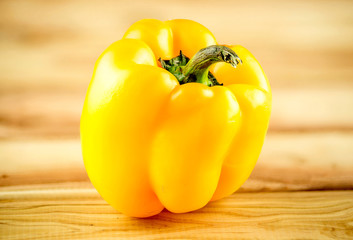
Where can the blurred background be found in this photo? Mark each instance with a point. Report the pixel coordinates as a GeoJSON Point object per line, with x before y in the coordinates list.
{"type": "Point", "coordinates": [48, 50]}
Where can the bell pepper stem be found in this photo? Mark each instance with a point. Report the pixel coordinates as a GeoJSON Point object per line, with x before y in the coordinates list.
{"type": "Point", "coordinates": [197, 69]}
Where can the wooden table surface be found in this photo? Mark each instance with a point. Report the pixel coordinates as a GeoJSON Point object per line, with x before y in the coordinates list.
{"type": "Point", "coordinates": [302, 185]}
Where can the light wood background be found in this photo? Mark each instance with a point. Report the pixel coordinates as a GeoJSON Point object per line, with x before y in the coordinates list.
{"type": "Point", "coordinates": [302, 186]}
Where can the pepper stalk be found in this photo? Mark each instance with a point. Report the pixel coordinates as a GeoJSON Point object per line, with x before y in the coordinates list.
{"type": "Point", "coordinates": [197, 68]}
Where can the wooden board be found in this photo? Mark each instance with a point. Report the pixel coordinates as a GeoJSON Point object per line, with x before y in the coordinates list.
{"type": "Point", "coordinates": [302, 185]}
{"type": "Point", "coordinates": [53, 45]}
{"type": "Point", "coordinates": [288, 162]}
{"type": "Point", "coordinates": [80, 213]}
{"type": "Point", "coordinates": [38, 114]}
{"type": "Point", "coordinates": [45, 182]}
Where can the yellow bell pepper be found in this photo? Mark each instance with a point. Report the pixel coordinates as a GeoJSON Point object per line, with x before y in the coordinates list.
{"type": "Point", "coordinates": [158, 130]}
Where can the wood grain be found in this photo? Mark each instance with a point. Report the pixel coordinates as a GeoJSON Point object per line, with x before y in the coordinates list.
{"type": "Point", "coordinates": [288, 162]}
{"type": "Point", "coordinates": [48, 53]}
{"type": "Point", "coordinates": [80, 213]}
{"type": "Point", "coordinates": [39, 114]}
{"type": "Point", "coordinates": [48, 50]}
{"type": "Point", "coordinates": [53, 45]}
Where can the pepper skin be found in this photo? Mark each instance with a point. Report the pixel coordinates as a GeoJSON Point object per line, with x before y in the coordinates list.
{"type": "Point", "coordinates": [150, 143]}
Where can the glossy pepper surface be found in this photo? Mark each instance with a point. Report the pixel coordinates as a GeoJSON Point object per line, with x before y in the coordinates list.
{"type": "Point", "coordinates": [151, 140]}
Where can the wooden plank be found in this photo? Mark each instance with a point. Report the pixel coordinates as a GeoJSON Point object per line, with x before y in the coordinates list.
{"type": "Point", "coordinates": [304, 161]}
{"type": "Point", "coordinates": [312, 109]}
{"type": "Point", "coordinates": [82, 214]}
{"type": "Point", "coordinates": [288, 162]}
{"type": "Point", "coordinates": [39, 114]}
{"type": "Point", "coordinates": [53, 45]}
{"type": "Point", "coordinates": [49, 49]}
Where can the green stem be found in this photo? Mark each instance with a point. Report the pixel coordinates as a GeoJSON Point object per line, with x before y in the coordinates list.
{"type": "Point", "coordinates": [197, 69]}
